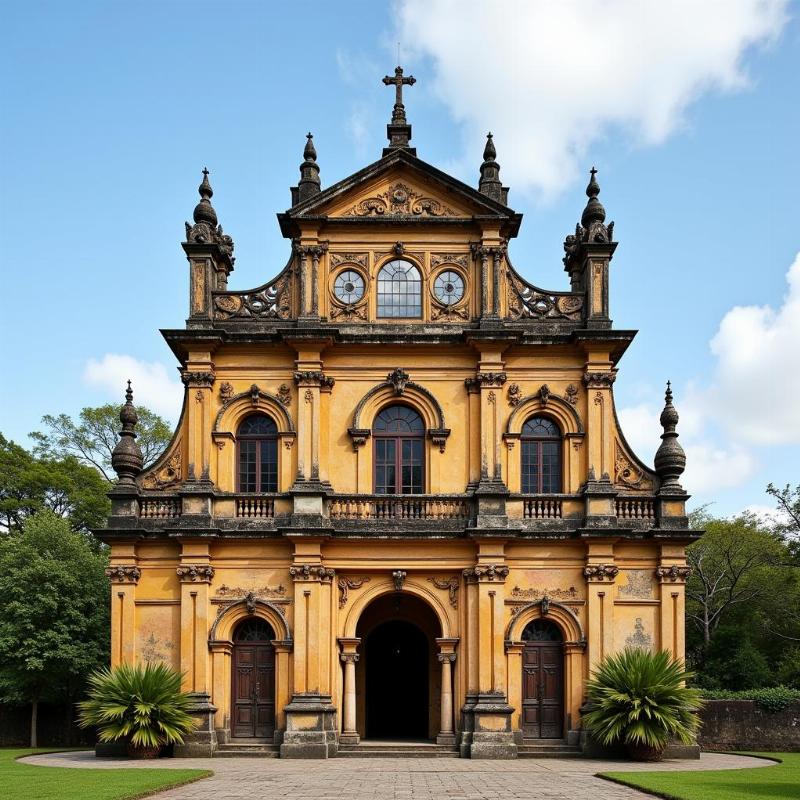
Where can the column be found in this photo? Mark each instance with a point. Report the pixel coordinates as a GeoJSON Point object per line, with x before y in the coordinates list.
{"type": "Point", "coordinates": [447, 657]}
{"type": "Point", "coordinates": [349, 657]}
{"type": "Point", "coordinates": [198, 378]}
{"type": "Point", "coordinates": [600, 573]}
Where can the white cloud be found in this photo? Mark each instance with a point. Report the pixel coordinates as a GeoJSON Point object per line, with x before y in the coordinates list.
{"type": "Point", "coordinates": [757, 380]}
{"type": "Point", "coordinates": [151, 382]}
{"type": "Point", "coordinates": [550, 79]}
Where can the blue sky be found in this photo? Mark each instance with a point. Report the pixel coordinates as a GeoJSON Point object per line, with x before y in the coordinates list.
{"type": "Point", "coordinates": [691, 115]}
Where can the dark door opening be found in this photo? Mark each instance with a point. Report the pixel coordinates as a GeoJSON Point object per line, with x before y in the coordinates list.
{"type": "Point", "coordinates": [253, 681]}
{"type": "Point", "coordinates": [396, 663]}
{"type": "Point", "coordinates": [542, 681]}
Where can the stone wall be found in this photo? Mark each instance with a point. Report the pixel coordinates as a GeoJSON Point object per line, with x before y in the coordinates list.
{"type": "Point", "coordinates": [745, 725]}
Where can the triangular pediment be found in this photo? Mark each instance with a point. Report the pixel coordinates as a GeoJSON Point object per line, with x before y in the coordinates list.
{"type": "Point", "coordinates": [399, 186]}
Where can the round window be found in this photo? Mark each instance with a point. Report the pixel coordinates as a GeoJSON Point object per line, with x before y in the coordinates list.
{"type": "Point", "coordinates": [448, 287]}
{"type": "Point", "coordinates": [348, 286]}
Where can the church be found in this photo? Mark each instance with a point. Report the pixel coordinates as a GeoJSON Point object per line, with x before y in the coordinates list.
{"type": "Point", "coordinates": [398, 513]}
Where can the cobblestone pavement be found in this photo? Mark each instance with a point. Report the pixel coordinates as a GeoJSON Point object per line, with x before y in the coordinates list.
{"type": "Point", "coordinates": [399, 778]}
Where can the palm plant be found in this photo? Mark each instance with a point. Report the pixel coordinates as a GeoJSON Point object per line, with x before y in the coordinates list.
{"type": "Point", "coordinates": [141, 704]}
{"type": "Point", "coordinates": [640, 698]}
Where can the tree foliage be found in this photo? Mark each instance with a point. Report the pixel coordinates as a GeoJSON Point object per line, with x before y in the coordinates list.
{"type": "Point", "coordinates": [92, 438]}
{"type": "Point", "coordinates": [68, 488]}
{"type": "Point", "coordinates": [54, 611]}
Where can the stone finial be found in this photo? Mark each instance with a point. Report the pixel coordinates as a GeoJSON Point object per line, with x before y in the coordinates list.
{"type": "Point", "coordinates": [670, 460]}
{"type": "Point", "coordinates": [127, 457]}
{"type": "Point", "coordinates": [594, 211]}
{"type": "Point", "coordinates": [309, 184]}
{"type": "Point", "coordinates": [204, 211]}
{"type": "Point", "coordinates": [398, 131]}
{"type": "Point", "coordinates": [490, 183]}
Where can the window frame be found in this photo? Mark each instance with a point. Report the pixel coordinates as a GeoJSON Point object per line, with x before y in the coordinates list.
{"type": "Point", "coordinates": [260, 440]}
{"type": "Point", "coordinates": [419, 296]}
{"type": "Point", "coordinates": [538, 442]}
{"type": "Point", "coordinates": [398, 438]}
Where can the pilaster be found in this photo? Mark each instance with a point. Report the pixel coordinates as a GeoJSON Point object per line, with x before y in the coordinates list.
{"type": "Point", "coordinates": [600, 573]}
{"type": "Point", "coordinates": [124, 575]}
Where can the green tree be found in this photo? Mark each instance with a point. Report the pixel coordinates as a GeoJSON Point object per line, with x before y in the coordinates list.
{"type": "Point", "coordinates": [733, 565]}
{"type": "Point", "coordinates": [92, 438]}
{"type": "Point", "coordinates": [64, 485]}
{"type": "Point", "coordinates": [54, 613]}
{"type": "Point", "coordinates": [788, 500]}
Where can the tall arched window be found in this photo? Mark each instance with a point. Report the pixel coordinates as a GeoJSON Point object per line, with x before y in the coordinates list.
{"type": "Point", "coordinates": [399, 436]}
{"type": "Point", "coordinates": [399, 290]}
{"type": "Point", "coordinates": [541, 456]}
{"type": "Point", "coordinates": [257, 444]}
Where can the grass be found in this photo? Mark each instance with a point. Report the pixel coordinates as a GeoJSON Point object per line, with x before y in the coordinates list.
{"type": "Point", "coordinates": [778, 782]}
{"type": "Point", "coordinates": [20, 781]}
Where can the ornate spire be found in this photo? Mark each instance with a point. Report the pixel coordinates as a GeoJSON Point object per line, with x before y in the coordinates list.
{"type": "Point", "coordinates": [594, 211]}
{"type": "Point", "coordinates": [490, 183]}
{"type": "Point", "coordinates": [398, 130]}
{"type": "Point", "coordinates": [309, 184]}
{"type": "Point", "coordinates": [127, 457]}
{"type": "Point", "coordinates": [670, 460]}
{"type": "Point", "coordinates": [204, 211]}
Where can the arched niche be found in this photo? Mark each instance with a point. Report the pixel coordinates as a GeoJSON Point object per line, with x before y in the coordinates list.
{"type": "Point", "coordinates": [224, 624]}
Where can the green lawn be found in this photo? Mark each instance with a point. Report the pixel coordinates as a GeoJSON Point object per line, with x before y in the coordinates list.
{"type": "Point", "coordinates": [776, 782]}
{"type": "Point", "coordinates": [27, 782]}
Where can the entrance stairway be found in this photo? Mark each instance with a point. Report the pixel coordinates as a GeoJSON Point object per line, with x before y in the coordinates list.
{"type": "Point", "coordinates": [548, 748]}
{"type": "Point", "coordinates": [247, 748]}
{"type": "Point", "coordinates": [386, 749]}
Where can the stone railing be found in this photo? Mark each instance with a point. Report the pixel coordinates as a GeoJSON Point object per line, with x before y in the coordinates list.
{"type": "Point", "coordinates": [160, 507]}
{"type": "Point", "coordinates": [526, 301]}
{"type": "Point", "coordinates": [255, 506]}
{"type": "Point", "coordinates": [400, 507]}
{"type": "Point", "coordinates": [273, 300]}
{"type": "Point", "coordinates": [636, 509]}
{"type": "Point", "coordinates": [541, 507]}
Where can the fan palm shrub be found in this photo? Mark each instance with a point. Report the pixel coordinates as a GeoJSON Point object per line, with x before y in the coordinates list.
{"type": "Point", "coordinates": [142, 705]}
{"type": "Point", "coordinates": [640, 698]}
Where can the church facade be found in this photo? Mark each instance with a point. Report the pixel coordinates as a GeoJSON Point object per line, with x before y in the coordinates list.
{"type": "Point", "coordinates": [398, 503]}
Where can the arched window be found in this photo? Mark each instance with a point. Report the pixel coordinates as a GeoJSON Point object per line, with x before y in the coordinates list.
{"type": "Point", "coordinates": [399, 436]}
{"type": "Point", "coordinates": [399, 290]}
{"type": "Point", "coordinates": [541, 456]}
{"type": "Point", "coordinates": [257, 443]}
{"type": "Point", "coordinates": [541, 630]}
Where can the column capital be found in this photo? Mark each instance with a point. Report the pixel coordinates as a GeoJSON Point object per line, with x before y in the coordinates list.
{"type": "Point", "coordinates": [124, 573]}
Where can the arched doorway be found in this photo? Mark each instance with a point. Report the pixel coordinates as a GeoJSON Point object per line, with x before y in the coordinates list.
{"type": "Point", "coordinates": [253, 677]}
{"type": "Point", "coordinates": [398, 677]}
{"type": "Point", "coordinates": [542, 681]}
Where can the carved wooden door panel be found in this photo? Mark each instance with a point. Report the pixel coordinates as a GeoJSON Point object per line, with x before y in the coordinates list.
{"type": "Point", "coordinates": [542, 690]}
{"type": "Point", "coordinates": [253, 690]}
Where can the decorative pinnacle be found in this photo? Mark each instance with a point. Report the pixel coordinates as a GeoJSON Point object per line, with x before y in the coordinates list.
{"type": "Point", "coordinates": [594, 211]}
{"type": "Point", "coordinates": [399, 81]}
{"type": "Point", "coordinates": [126, 458]}
{"type": "Point", "coordinates": [204, 211]}
{"type": "Point", "coordinates": [489, 152]}
{"type": "Point", "coordinates": [490, 183]}
{"type": "Point", "coordinates": [309, 152]}
{"type": "Point", "coordinates": [670, 460]}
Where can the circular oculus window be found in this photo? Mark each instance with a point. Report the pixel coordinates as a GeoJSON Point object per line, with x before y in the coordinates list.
{"type": "Point", "coordinates": [448, 287]}
{"type": "Point", "coordinates": [348, 286]}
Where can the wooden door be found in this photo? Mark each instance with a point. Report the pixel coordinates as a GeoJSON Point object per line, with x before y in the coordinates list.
{"type": "Point", "coordinates": [542, 687]}
{"type": "Point", "coordinates": [253, 689]}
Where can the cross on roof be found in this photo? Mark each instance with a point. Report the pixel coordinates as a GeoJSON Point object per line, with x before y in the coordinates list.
{"type": "Point", "coordinates": [399, 80]}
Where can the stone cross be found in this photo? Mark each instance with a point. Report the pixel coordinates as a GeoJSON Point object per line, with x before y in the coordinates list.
{"type": "Point", "coordinates": [399, 80]}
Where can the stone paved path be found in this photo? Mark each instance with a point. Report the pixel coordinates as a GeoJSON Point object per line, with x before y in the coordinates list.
{"type": "Point", "coordinates": [401, 778]}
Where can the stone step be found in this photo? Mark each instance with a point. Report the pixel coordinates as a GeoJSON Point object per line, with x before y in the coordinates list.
{"type": "Point", "coordinates": [247, 750]}
{"type": "Point", "coordinates": [397, 750]}
{"type": "Point", "coordinates": [548, 748]}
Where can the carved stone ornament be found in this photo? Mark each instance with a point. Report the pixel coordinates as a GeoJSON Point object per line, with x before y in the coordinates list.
{"type": "Point", "coordinates": [439, 437]}
{"type": "Point", "coordinates": [543, 394]}
{"type": "Point", "coordinates": [599, 380]}
{"type": "Point", "coordinates": [195, 572]}
{"type": "Point", "coordinates": [449, 312]}
{"type": "Point", "coordinates": [571, 394]}
{"type": "Point", "coordinates": [307, 572]}
{"type": "Point", "coordinates": [514, 395]}
{"type": "Point", "coordinates": [254, 393]}
{"type": "Point", "coordinates": [485, 379]}
{"type": "Point", "coordinates": [262, 592]}
{"type": "Point", "coordinates": [399, 379]}
{"type": "Point", "coordinates": [438, 259]}
{"type": "Point", "coordinates": [398, 577]}
{"type": "Point", "coordinates": [627, 473]}
{"type": "Point", "coordinates": [204, 380]}
{"type": "Point", "coordinates": [350, 310]}
{"type": "Point", "coordinates": [314, 378]}
{"type": "Point", "coordinates": [345, 584]}
{"type": "Point", "coordinates": [451, 584]}
{"type": "Point", "coordinates": [168, 474]}
{"type": "Point", "coordinates": [226, 391]}
{"type": "Point", "coordinates": [489, 572]}
{"type": "Point", "coordinates": [349, 258]}
{"type": "Point", "coordinates": [359, 436]}
{"type": "Point", "coordinates": [284, 394]}
{"type": "Point", "coordinates": [538, 594]}
{"type": "Point", "coordinates": [400, 200]}
{"type": "Point", "coordinates": [675, 573]}
{"type": "Point", "coordinates": [270, 301]}
{"type": "Point", "coordinates": [600, 572]}
{"type": "Point", "coordinates": [526, 301]}
{"type": "Point", "coordinates": [123, 573]}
